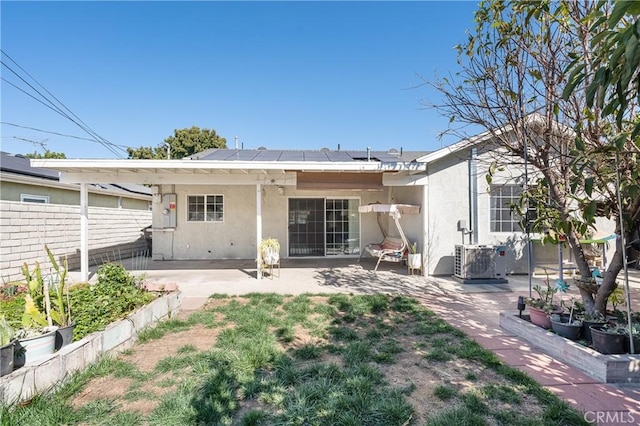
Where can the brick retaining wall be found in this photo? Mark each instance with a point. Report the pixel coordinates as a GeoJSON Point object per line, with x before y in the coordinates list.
{"type": "Point", "coordinates": [26, 227]}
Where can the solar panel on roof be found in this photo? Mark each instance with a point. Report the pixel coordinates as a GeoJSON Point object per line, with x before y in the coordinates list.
{"type": "Point", "coordinates": [292, 156]}
{"type": "Point", "coordinates": [245, 155]}
{"type": "Point", "coordinates": [283, 155]}
{"type": "Point", "coordinates": [338, 156]}
{"type": "Point", "coordinates": [268, 156]}
{"type": "Point", "coordinates": [315, 156]}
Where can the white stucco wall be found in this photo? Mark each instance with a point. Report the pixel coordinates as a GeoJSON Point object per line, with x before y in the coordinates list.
{"type": "Point", "coordinates": [235, 237]}
{"type": "Point", "coordinates": [447, 203]}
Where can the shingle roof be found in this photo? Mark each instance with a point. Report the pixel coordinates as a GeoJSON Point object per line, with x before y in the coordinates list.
{"type": "Point", "coordinates": [20, 165]}
{"type": "Point", "coordinates": [306, 155]}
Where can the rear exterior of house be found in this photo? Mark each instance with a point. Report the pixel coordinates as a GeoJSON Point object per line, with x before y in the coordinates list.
{"type": "Point", "coordinates": [311, 213]}
{"type": "Point", "coordinates": [221, 203]}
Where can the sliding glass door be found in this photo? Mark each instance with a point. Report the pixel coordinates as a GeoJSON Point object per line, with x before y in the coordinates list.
{"type": "Point", "coordinates": [306, 227]}
{"type": "Point", "coordinates": [323, 227]}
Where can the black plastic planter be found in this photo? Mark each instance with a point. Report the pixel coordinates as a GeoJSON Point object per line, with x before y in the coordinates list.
{"type": "Point", "coordinates": [607, 343]}
{"type": "Point", "coordinates": [564, 329]}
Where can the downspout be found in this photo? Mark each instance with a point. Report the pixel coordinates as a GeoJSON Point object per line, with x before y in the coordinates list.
{"type": "Point", "coordinates": [473, 196]}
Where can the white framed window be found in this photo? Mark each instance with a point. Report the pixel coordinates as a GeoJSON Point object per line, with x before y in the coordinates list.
{"type": "Point", "coordinates": [502, 218]}
{"type": "Point", "coordinates": [205, 208]}
{"type": "Point", "coordinates": [30, 198]}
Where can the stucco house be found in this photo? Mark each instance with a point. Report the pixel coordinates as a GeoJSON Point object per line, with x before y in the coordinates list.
{"type": "Point", "coordinates": [36, 208]}
{"type": "Point", "coordinates": [221, 203]}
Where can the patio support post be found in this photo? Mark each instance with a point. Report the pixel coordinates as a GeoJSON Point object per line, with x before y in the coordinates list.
{"type": "Point", "coordinates": [258, 230]}
{"type": "Point", "coordinates": [84, 233]}
{"type": "Point", "coordinates": [425, 227]}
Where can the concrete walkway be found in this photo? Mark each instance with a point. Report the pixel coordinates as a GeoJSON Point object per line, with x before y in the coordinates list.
{"type": "Point", "coordinates": [473, 309]}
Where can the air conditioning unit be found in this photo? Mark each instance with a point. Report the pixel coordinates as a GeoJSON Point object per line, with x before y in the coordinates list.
{"type": "Point", "coordinates": [475, 262]}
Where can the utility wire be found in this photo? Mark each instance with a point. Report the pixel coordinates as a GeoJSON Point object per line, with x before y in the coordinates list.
{"type": "Point", "coordinates": [52, 105]}
{"type": "Point", "coordinates": [55, 133]}
{"type": "Point", "coordinates": [84, 126]}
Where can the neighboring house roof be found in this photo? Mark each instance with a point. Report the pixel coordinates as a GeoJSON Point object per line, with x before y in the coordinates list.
{"type": "Point", "coordinates": [19, 166]}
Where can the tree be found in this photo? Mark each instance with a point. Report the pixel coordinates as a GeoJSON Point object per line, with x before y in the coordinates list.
{"type": "Point", "coordinates": [183, 143]}
{"type": "Point", "coordinates": [613, 79]}
{"type": "Point", "coordinates": [47, 154]}
{"type": "Point", "coordinates": [511, 84]}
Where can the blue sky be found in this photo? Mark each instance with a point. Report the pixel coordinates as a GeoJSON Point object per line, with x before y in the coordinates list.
{"type": "Point", "coordinates": [284, 75]}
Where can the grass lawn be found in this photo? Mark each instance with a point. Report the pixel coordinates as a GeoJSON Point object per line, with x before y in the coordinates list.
{"type": "Point", "coordinates": [266, 359]}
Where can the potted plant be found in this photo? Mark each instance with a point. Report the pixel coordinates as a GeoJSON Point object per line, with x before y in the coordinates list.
{"type": "Point", "coordinates": [6, 346]}
{"type": "Point", "coordinates": [60, 307]}
{"type": "Point", "coordinates": [609, 338]}
{"type": "Point", "coordinates": [36, 339]}
{"type": "Point", "coordinates": [542, 306]}
{"type": "Point", "coordinates": [587, 322]}
{"type": "Point", "coordinates": [635, 334]}
{"type": "Point", "coordinates": [37, 336]}
{"type": "Point", "coordinates": [566, 326]}
{"type": "Point", "coordinates": [270, 251]}
{"type": "Point", "coordinates": [414, 259]}
{"type": "Point", "coordinates": [269, 254]}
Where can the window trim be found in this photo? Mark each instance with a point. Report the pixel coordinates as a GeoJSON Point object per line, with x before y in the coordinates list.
{"type": "Point", "coordinates": [39, 199]}
{"type": "Point", "coordinates": [205, 220]}
{"type": "Point", "coordinates": [515, 221]}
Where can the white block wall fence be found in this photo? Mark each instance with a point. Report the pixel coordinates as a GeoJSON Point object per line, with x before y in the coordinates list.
{"type": "Point", "coordinates": [26, 227]}
{"type": "Point", "coordinates": [44, 374]}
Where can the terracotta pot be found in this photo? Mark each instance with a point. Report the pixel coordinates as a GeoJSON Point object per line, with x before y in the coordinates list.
{"type": "Point", "coordinates": [539, 317]}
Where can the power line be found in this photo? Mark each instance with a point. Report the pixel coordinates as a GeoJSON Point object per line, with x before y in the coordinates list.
{"type": "Point", "coordinates": [58, 108]}
{"type": "Point", "coordinates": [55, 133]}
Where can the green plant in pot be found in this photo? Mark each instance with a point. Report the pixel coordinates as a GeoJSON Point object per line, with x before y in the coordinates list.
{"type": "Point", "coordinates": [270, 251]}
{"type": "Point", "coordinates": [7, 333]}
{"type": "Point", "coordinates": [60, 309]}
{"type": "Point", "coordinates": [589, 320]}
{"type": "Point", "coordinates": [635, 335]}
{"type": "Point", "coordinates": [566, 325]}
{"type": "Point", "coordinates": [609, 338]}
{"type": "Point", "coordinates": [414, 259]}
{"type": "Point", "coordinates": [542, 306]}
{"type": "Point", "coordinates": [37, 336]}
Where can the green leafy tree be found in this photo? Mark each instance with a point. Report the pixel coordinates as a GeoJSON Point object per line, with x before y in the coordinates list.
{"type": "Point", "coordinates": [511, 83]}
{"type": "Point", "coordinates": [612, 76]}
{"type": "Point", "coordinates": [183, 143]}
{"type": "Point", "coordinates": [47, 154]}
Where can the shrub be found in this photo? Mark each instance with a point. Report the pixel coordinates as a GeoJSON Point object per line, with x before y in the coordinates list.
{"type": "Point", "coordinates": [115, 294]}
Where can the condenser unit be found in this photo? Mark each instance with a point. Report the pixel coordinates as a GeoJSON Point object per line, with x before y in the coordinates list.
{"type": "Point", "coordinates": [475, 262]}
